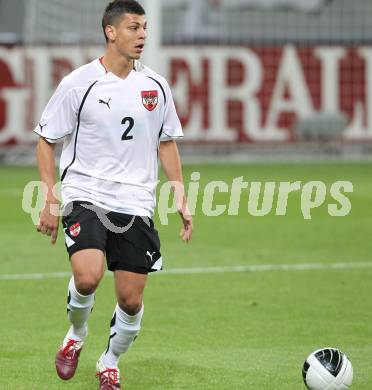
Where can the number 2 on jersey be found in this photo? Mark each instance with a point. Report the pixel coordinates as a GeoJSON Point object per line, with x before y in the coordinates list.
{"type": "Point", "coordinates": [126, 136]}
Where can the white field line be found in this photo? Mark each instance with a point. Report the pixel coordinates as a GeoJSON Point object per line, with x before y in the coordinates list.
{"type": "Point", "coordinates": [212, 270]}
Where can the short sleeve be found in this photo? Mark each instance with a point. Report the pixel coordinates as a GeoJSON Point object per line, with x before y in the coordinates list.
{"type": "Point", "coordinates": [60, 114]}
{"type": "Point", "coordinates": [172, 128]}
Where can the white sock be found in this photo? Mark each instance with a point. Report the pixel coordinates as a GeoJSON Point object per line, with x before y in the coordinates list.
{"type": "Point", "coordinates": [124, 330]}
{"type": "Point", "coordinates": [78, 309]}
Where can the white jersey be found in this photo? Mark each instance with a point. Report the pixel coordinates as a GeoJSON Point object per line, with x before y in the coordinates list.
{"type": "Point", "coordinates": [111, 129]}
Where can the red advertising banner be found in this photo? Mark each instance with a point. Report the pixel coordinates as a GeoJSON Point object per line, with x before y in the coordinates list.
{"type": "Point", "coordinates": [230, 94]}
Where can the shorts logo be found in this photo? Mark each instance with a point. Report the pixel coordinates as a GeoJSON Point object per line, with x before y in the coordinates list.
{"type": "Point", "coordinates": [75, 230]}
{"type": "Point", "coordinates": [150, 254]}
{"type": "Point", "coordinates": [149, 99]}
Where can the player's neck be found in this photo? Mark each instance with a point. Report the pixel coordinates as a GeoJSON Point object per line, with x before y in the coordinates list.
{"type": "Point", "coordinates": [118, 65]}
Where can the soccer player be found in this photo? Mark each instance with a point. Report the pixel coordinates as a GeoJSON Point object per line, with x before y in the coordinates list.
{"type": "Point", "coordinates": [115, 117]}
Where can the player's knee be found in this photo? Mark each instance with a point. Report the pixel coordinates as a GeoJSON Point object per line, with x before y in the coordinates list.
{"type": "Point", "coordinates": [131, 305]}
{"type": "Point", "coordinates": [87, 285]}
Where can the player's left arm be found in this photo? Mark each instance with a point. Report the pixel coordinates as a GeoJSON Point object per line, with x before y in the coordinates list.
{"type": "Point", "coordinates": [171, 164]}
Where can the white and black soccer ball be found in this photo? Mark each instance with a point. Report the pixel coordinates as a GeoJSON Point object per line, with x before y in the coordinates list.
{"type": "Point", "coordinates": [327, 369]}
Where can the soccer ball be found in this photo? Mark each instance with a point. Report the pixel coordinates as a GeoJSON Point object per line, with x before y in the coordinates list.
{"type": "Point", "coordinates": [327, 369]}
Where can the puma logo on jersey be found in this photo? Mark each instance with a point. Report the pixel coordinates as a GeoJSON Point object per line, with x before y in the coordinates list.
{"type": "Point", "coordinates": [41, 127]}
{"type": "Point", "coordinates": [103, 102]}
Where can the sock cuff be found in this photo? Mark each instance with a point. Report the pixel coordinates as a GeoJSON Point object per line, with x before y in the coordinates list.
{"type": "Point", "coordinates": [77, 297]}
{"type": "Point", "coordinates": [128, 319]}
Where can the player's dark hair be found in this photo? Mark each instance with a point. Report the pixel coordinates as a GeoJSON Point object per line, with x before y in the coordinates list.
{"type": "Point", "coordinates": [117, 8]}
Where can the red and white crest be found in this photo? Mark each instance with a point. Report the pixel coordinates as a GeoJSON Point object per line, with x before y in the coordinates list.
{"type": "Point", "coordinates": [75, 229]}
{"type": "Point", "coordinates": [150, 99]}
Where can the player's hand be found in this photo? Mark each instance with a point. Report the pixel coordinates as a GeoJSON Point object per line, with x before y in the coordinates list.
{"type": "Point", "coordinates": [48, 223]}
{"type": "Point", "coordinates": [186, 231]}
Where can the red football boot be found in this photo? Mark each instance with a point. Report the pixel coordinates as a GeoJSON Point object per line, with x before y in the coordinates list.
{"type": "Point", "coordinates": [67, 358]}
{"type": "Point", "coordinates": [109, 378]}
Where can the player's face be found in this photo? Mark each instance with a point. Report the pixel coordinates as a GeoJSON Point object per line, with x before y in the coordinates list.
{"type": "Point", "coordinates": [130, 35]}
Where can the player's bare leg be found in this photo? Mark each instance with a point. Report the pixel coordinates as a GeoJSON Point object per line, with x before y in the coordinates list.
{"type": "Point", "coordinates": [88, 269]}
{"type": "Point", "coordinates": [125, 326]}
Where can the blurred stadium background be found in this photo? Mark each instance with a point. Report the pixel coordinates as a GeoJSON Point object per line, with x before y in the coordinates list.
{"type": "Point", "coordinates": [252, 79]}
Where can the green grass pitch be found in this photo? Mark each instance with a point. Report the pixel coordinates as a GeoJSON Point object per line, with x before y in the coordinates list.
{"type": "Point", "coordinates": [231, 330]}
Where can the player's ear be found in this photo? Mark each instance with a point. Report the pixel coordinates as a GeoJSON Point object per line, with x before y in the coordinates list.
{"type": "Point", "coordinates": [110, 32]}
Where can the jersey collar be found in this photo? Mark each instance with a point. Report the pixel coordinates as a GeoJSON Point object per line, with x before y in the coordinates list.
{"type": "Point", "coordinates": [101, 67]}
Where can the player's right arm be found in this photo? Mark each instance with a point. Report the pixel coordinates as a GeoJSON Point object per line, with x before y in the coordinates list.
{"type": "Point", "coordinates": [48, 222]}
{"type": "Point", "coordinates": [57, 121]}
